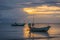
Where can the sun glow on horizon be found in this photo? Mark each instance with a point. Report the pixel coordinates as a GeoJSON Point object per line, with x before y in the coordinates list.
{"type": "Point", "coordinates": [29, 10]}
{"type": "Point", "coordinates": [42, 10]}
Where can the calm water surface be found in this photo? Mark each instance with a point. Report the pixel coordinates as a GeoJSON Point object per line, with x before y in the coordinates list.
{"type": "Point", "coordinates": [8, 32]}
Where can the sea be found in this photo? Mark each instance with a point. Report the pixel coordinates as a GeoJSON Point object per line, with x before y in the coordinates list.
{"type": "Point", "coordinates": [8, 32]}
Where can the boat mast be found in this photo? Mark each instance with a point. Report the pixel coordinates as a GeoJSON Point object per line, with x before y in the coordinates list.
{"type": "Point", "coordinates": [33, 20]}
{"type": "Point", "coordinates": [32, 23]}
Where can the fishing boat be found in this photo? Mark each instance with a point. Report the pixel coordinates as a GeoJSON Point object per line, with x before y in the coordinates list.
{"type": "Point", "coordinates": [16, 24]}
{"type": "Point", "coordinates": [43, 29]}
{"type": "Point", "coordinates": [34, 29]}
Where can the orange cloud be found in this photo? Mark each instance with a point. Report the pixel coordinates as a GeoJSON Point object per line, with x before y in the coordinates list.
{"type": "Point", "coordinates": [44, 9]}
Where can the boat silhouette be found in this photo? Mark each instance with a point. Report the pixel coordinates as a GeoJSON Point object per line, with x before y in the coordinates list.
{"type": "Point", "coordinates": [43, 29]}
{"type": "Point", "coordinates": [16, 24]}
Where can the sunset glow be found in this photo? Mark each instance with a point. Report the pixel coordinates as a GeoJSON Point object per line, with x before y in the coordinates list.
{"type": "Point", "coordinates": [52, 31]}
{"type": "Point", "coordinates": [29, 10]}
{"type": "Point", "coordinates": [42, 10]}
{"type": "Point", "coordinates": [26, 31]}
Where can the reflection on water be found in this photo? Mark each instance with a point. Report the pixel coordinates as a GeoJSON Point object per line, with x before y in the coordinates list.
{"type": "Point", "coordinates": [40, 35]}
{"type": "Point", "coordinates": [52, 31]}
{"type": "Point", "coordinates": [34, 35]}
{"type": "Point", "coordinates": [26, 31]}
{"type": "Point", "coordinates": [7, 32]}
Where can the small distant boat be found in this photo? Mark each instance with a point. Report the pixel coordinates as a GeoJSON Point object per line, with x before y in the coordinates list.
{"type": "Point", "coordinates": [16, 24]}
{"type": "Point", "coordinates": [44, 29]}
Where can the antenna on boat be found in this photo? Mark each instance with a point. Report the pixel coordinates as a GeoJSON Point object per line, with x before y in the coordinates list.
{"type": "Point", "coordinates": [33, 20]}
{"type": "Point", "coordinates": [32, 23]}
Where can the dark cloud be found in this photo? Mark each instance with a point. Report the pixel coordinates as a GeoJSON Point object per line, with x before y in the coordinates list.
{"type": "Point", "coordinates": [3, 7]}
{"type": "Point", "coordinates": [49, 3]}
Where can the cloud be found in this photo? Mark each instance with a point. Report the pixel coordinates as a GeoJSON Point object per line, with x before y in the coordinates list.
{"type": "Point", "coordinates": [44, 9]}
{"type": "Point", "coordinates": [19, 15]}
{"type": "Point", "coordinates": [46, 13]}
{"type": "Point", "coordinates": [3, 7]}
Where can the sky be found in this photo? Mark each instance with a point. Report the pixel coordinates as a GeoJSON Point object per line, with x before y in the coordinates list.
{"type": "Point", "coordinates": [44, 11]}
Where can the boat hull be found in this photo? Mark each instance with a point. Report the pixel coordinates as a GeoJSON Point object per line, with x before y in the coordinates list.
{"type": "Point", "coordinates": [17, 24]}
{"type": "Point", "coordinates": [45, 29]}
